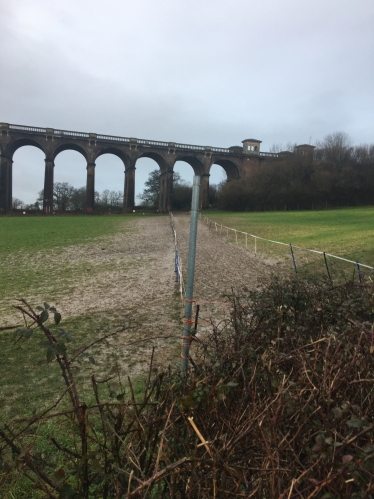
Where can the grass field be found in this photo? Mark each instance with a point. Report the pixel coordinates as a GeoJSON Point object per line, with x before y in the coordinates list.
{"type": "Point", "coordinates": [30, 248]}
{"type": "Point", "coordinates": [346, 232]}
{"type": "Point", "coordinates": [34, 263]}
{"type": "Point", "coordinates": [32, 233]}
{"type": "Point", "coordinates": [28, 269]}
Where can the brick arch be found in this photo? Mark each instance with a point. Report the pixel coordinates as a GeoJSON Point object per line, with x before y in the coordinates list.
{"type": "Point", "coordinates": [70, 147]}
{"type": "Point", "coordinates": [11, 148]}
{"type": "Point", "coordinates": [231, 169]}
{"type": "Point", "coordinates": [159, 159]}
{"type": "Point", "coordinates": [125, 158]}
{"type": "Point", "coordinates": [196, 164]}
{"type": "Point", "coordinates": [166, 178]}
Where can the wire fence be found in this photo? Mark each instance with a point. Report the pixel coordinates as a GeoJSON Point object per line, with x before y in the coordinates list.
{"type": "Point", "coordinates": [178, 262]}
{"type": "Point", "coordinates": [302, 260]}
{"type": "Point", "coordinates": [213, 305]}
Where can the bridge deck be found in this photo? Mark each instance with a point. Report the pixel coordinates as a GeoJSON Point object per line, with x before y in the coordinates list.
{"type": "Point", "coordinates": [123, 140]}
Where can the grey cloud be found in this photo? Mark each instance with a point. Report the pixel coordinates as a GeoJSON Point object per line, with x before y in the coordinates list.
{"type": "Point", "coordinates": [192, 71]}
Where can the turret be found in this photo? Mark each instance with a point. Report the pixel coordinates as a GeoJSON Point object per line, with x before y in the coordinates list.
{"type": "Point", "coordinates": [305, 150]}
{"type": "Point", "coordinates": [251, 146]}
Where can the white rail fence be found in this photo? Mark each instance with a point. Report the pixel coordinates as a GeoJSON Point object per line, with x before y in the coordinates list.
{"type": "Point", "coordinates": [248, 237]}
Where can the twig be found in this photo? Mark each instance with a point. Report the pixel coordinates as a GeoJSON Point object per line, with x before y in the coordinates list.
{"type": "Point", "coordinates": [159, 475]}
{"type": "Point", "coordinates": [6, 328]}
{"type": "Point", "coordinates": [162, 438]}
{"type": "Point", "coordinates": [203, 441]}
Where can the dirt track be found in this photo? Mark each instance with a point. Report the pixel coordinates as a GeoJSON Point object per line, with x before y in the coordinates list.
{"type": "Point", "coordinates": [151, 291]}
{"type": "Point", "coordinates": [133, 274]}
{"type": "Point", "coordinates": [220, 266]}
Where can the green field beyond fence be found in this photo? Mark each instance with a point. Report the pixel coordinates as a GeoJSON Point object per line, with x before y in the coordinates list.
{"type": "Point", "coordinates": [348, 233]}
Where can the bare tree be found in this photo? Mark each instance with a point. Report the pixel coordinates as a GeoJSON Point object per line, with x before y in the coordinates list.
{"type": "Point", "coordinates": [277, 148]}
{"type": "Point", "coordinates": [335, 148]}
{"type": "Point", "coordinates": [17, 204]}
{"type": "Point", "coordinates": [62, 193]}
{"type": "Point", "coordinates": [115, 198]}
{"type": "Point", "coordinates": [78, 199]}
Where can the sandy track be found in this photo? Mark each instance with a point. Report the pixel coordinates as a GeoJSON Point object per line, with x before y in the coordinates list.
{"type": "Point", "coordinates": [220, 266]}
{"type": "Point", "coordinates": [132, 274]}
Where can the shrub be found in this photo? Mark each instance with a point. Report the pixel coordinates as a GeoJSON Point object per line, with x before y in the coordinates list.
{"type": "Point", "coordinates": [278, 403]}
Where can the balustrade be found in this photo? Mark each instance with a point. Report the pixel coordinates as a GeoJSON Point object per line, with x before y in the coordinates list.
{"type": "Point", "coordinates": [111, 138]}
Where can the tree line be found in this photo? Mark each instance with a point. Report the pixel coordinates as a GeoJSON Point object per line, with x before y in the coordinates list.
{"type": "Point", "coordinates": [338, 174]}
{"type": "Point", "coordinates": [69, 198]}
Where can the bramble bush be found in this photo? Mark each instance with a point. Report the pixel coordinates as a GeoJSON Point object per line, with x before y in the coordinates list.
{"type": "Point", "coordinates": [278, 403]}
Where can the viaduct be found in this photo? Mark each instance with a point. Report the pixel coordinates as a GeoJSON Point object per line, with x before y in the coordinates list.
{"type": "Point", "coordinates": [237, 161]}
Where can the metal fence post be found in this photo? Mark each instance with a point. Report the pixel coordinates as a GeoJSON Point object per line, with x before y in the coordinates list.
{"type": "Point", "coordinates": [359, 272]}
{"type": "Point", "coordinates": [293, 258]}
{"type": "Point", "coordinates": [327, 267]}
{"type": "Point", "coordinates": [186, 336]}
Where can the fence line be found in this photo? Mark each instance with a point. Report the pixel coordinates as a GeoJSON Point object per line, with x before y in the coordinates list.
{"type": "Point", "coordinates": [210, 223]}
{"type": "Point", "coordinates": [178, 262]}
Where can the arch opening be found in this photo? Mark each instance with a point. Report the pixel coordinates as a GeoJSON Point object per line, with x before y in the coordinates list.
{"type": "Point", "coordinates": [70, 178]}
{"type": "Point", "coordinates": [218, 178]}
{"type": "Point", "coordinates": [114, 152]}
{"type": "Point", "coordinates": [109, 181]}
{"type": "Point", "coordinates": [182, 185]}
{"type": "Point", "coordinates": [230, 168]}
{"type": "Point", "coordinates": [148, 179]}
{"type": "Point", "coordinates": [160, 160]}
{"type": "Point", "coordinates": [221, 171]}
{"type": "Point", "coordinates": [69, 147]}
{"type": "Point", "coordinates": [26, 188]}
{"type": "Point", "coordinates": [196, 165]}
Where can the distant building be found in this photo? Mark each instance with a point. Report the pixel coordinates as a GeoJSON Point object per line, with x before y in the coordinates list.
{"type": "Point", "coordinates": [304, 150]}
{"type": "Point", "coordinates": [251, 146]}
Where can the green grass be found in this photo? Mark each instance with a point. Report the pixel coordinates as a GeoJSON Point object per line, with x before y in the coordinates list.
{"type": "Point", "coordinates": [29, 385]}
{"type": "Point", "coordinates": [347, 232]}
{"type": "Point", "coordinates": [33, 264]}
{"type": "Point", "coordinates": [30, 382]}
{"type": "Point", "coordinates": [34, 261]}
{"type": "Point", "coordinates": [45, 277]}
{"type": "Point", "coordinates": [43, 258]}
{"type": "Point", "coordinates": [31, 233]}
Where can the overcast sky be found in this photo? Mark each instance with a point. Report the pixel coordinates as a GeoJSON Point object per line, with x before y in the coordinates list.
{"type": "Point", "coordinates": [208, 72]}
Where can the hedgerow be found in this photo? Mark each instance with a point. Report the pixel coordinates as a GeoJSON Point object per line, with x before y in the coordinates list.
{"type": "Point", "coordinates": [278, 403]}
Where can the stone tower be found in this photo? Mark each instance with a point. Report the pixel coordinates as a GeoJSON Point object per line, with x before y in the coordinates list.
{"type": "Point", "coordinates": [251, 146]}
